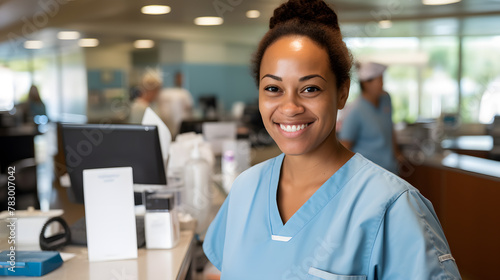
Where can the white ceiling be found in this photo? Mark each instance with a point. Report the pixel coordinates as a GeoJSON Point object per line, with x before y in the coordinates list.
{"type": "Point", "coordinates": [121, 20]}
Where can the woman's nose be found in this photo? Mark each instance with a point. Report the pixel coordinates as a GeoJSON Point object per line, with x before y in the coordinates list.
{"type": "Point", "coordinates": [291, 106]}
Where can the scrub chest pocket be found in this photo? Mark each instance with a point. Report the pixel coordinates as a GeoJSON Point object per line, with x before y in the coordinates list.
{"type": "Point", "coordinates": [318, 274]}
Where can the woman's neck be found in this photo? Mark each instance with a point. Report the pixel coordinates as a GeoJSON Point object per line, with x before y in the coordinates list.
{"type": "Point", "coordinates": [372, 98]}
{"type": "Point", "coordinates": [315, 167]}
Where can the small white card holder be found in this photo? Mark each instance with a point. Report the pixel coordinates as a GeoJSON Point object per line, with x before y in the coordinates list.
{"type": "Point", "coordinates": [109, 213]}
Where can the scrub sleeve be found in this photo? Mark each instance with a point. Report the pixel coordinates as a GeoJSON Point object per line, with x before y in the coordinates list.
{"type": "Point", "coordinates": [410, 241]}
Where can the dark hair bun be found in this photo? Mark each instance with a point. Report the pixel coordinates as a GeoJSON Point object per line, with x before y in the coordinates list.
{"type": "Point", "coordinates": [305, 10]}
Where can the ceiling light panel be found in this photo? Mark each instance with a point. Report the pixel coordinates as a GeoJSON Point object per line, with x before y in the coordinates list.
{"type": "Point", "coordinates": [206, 21]}
{"type": "Point", "coordinates": [155, 10]}
{"type": "Point", "coordinates": [144, 44]}
{"type": "Point", "coordinates": [33, 44]}
{"type": "Point", "coordinates": [68, 35]}
{"type": "Point", "coordinates": [253, 14]}
{"type": "Point", "coordinates": [384, 24]}
{"type": "Point", "coordinates": [439, 2]}
{"type": "Point", "coordinates": [88, 42]}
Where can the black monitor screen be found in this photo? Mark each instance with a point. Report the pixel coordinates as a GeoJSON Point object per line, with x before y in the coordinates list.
{"type": "Point", "coordinates": [91, 146]}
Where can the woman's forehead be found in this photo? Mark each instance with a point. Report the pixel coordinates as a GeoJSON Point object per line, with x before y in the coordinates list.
{"type": "Point", "coordinates": [295, 52]}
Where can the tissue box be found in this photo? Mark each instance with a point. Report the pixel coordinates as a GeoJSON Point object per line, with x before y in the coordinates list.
{"type": "Point", "coordinates": [28, 263]}
{"type": "Point", "coordinates": [29, 225]}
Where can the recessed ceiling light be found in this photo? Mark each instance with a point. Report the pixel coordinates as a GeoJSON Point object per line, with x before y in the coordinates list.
{"type": "Point", "coordinates": [88, 42]}
{"type": "Point", "coordinates": [253, 14]}
{"type": "Point", "coordinates": [144, 44]}
{"type": "Point", "coordinates": [33, 44]}
{"type": "Point", "coordinates": [384, 24]}
{"type": "Point", "coordinates": [68, 35]}
{"type": "Point", "coordinates": [155, 10]}
{"type": "Point", "coordinates": [439, 2]}
{"type": "Point", "coordinates": [208, 21]}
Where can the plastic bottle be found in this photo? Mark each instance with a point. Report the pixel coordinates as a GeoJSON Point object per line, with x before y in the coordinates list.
{"type": "Point", "coordinates": [198, 190]}
{"type": "Point", "coordinates": [228, 169]}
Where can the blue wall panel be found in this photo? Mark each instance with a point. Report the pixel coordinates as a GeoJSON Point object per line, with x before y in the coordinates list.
{"type": "Point", "coordinates": [95, 82]}
{"type": "Point", "coordinates": [230, 83]}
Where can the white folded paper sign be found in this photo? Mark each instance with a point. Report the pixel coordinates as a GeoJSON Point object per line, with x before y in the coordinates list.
{"type": "Point", "coordinates": [151, 118]}
{"type": "Point", "coordinates": [109, 213]}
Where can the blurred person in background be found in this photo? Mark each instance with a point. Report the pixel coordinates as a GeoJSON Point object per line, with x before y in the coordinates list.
{"type": "Point", "coordinates": [367, 127]}
{"type": "Point", "coordinates": [34, 106]}
{"type": "Point", "coordinates": [149, 86]}
{"type": "Point", "coordinates": [175, 105]}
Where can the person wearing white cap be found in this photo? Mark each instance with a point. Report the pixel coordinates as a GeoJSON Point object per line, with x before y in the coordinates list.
{"type": "Point", "coordinates": [368, 129]}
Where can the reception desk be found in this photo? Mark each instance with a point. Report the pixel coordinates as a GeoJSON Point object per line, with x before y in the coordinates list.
{"type": "Point", "coordinates": [477, 145]}
{"type": "Point", "coordinates": [465, 191]}
{"type": "Point", "coordinates": [169, 264]}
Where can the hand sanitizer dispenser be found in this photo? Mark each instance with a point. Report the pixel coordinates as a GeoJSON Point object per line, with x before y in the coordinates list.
{"type": "Point", "coordinates": [198, 190]}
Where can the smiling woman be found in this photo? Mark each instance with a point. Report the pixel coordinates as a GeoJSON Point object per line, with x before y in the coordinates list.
{"type": "Point", "coordinates": [298, 90]}
{"type": "Point", "coordinates": [319, 211]}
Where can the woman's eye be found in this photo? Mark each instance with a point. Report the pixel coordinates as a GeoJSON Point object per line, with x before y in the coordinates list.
{"type": "Point", "coordinates": [311, 89]}
{"type": "Point", "coordinates": [272, 89]}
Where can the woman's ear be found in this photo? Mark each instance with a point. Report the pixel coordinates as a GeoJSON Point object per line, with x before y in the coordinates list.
{"type": "Point", "coordinates": [343, 94]}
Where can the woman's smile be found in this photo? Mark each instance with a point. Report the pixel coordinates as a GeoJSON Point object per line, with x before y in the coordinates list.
{"type": "Point", "coordinates": [293, 127]}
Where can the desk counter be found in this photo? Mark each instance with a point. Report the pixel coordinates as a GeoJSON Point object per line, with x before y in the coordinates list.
{"type": "Point", "coordinates": [464, 191]}
{"type": "Point", "coordinates": [150, 264]}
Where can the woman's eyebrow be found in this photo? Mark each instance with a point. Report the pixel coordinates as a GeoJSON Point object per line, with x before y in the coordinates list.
{"type": "Point", "coordinates": [272, 77]}
{"type": "Point", "coordinates": [305, 78]}
{"type": "Point", "coordinates": [308, 77]}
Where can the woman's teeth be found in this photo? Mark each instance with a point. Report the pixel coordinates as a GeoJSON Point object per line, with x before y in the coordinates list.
{"type": "Point", "coordinates": [293, 128]}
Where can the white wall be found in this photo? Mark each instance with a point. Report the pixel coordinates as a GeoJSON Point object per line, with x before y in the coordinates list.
{"type": "Point", "coordinates": [171, 52]}
{"type": "Point", "coordinates": [217, 53]}
{"type": "Point", "coordinates": [116, 56]}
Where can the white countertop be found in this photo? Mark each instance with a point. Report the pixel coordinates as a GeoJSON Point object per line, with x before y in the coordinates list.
{"type": "Point", "coordinates": [473, 164]}
{"type": "Point", "coordinates": [473, 143]}
{"type": "Point", "coordinates": [150, 264]}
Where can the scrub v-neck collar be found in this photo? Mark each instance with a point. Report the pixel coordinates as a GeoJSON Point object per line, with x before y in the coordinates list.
{"type": "Point", "coordinates": [285, 232]}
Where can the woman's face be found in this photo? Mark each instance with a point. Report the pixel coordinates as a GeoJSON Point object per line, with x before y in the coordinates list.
{"type": "Point", "coordinates": [374, 87]}
{"type": "Point", "coordinates": [298, 96]}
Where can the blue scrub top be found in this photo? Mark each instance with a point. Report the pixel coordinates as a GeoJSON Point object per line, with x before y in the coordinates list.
{"type": "Point", "coordinates": [362, 223]}
{"type": "Point", "coordinates": [369, 128]}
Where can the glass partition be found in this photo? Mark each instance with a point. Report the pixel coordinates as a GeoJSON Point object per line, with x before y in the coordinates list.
{"type": "Point", "coordinates": [439, 77]}
{"type": "Point", "coordinates": [422, 77]}
{"type": "Point", "coordinates": [480, 82]}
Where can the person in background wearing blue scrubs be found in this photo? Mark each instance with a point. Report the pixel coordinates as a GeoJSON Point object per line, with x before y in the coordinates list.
{"type": "Point", "coordinates": [319, 211]}
{"type": "Point", "coordinates": [368, 129]}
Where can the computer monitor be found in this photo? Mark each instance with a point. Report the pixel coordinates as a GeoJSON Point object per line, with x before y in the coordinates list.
{"type": "Point", "coordinates": [90, 146]}
{"type": "Point", "coordinates": [208, 105]}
